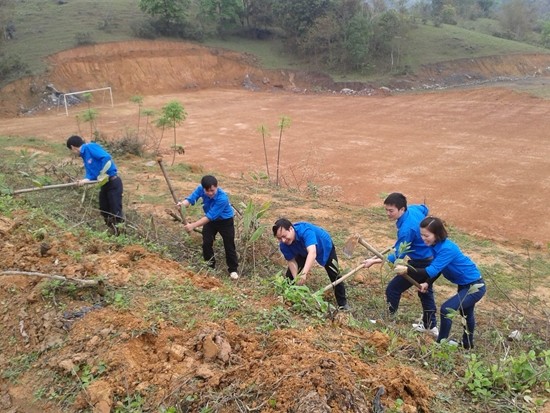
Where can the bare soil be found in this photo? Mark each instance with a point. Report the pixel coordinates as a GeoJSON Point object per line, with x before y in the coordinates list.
{"type": "Point", "coordinates": [477, 156]}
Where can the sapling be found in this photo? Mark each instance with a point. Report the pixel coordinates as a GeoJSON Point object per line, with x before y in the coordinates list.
{"type": "Point", "coordinates": [174, 113]}
{"type": "Point", "coordinates": [138, 100]}
{"type": "Point", "coordinates": [283, 124]}
{"type": "Point", "coordinates": [263, 130]}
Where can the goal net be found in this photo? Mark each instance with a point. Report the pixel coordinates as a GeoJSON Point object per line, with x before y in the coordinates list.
{"type": "Point", "coordinates": [98, 97]}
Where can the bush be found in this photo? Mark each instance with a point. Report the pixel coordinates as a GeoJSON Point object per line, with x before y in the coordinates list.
{"type": "Point", "coordinates": [144, 30]}
{"type": "Point", "coordinates": [83, 39]}
{"type": "Point", "coordinates": [129, 144]}
{"type": "Point", "coordinates": [11, 67]}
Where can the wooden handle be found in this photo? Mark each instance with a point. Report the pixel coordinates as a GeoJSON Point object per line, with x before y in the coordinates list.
{"type": "Point", "coordinates": [43, 188]}
{"type": "Point", "coordinates": [342, 278]}
{"type": "Point", "coordinates": [371, 248]}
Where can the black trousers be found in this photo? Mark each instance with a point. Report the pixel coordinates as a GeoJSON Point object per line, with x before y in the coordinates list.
{"type": "Point", "coordinates": [226, 228]}
{"type": "Point", "coordinates": [110, 201]}
{"type": "Point", "coordinates": [333, 271]}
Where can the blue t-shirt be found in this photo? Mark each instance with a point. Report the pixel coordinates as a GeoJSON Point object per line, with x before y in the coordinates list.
{"type": "Point", "coordinates": [306, 235]}
{"type": "Point", "coordinates": [408, 230]}
{"type": "Point", "coordinates": [455, 266]}
{"type": "Point", "coordinates": [95, 158]}
{"type": "Point", "coordinates": [215, 208]}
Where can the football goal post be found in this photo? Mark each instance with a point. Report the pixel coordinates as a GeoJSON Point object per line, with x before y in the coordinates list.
{"type": "Point", "coordinates": [104, 89]}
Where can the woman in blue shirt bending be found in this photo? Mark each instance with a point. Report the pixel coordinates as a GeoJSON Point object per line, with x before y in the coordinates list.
{"type": "Point", "coordinates": [456, 267]}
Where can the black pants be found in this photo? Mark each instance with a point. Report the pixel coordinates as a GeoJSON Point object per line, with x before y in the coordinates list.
{"type": "Point", "coordinates": [333, 270]}
{"type": "Point", "coordinates": [226, 228]}
{"type": "Point", "coordinates": [110, 201]}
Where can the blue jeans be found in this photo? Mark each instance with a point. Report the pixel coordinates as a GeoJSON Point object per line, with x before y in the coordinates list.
{"type": "Point", "coordinates": [464, 303]}
{"type": "Point", "coordinates": [398, 285]}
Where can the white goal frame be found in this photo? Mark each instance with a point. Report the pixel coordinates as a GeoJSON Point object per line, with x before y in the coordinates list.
{"type": "Point", "coordinates": [86, 91]}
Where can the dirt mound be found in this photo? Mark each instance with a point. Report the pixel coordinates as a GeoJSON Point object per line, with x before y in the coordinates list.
{"type": "Point", "coordinates": [96, 355]}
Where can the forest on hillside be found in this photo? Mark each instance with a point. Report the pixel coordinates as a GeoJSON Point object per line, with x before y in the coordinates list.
{"type": "Point", "coordinates": [341, 34]}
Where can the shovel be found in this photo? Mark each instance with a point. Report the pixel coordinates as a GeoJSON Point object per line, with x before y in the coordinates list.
{"type": "Point", "coordinates": [174, 197]}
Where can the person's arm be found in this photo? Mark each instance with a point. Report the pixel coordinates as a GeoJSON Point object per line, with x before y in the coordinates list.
{"type": "Point", "coordinates": [293, 267]}
{"type": "Point", "coordinates": [199, 223]}
{"type": "Point", "coordinates": [310, 259]}
{"type": "Point", "coordinates": [184, 203]}
{"type": "Point", "coordinates": [371, 261]}
{"type": "Point", "coordinates": [193, 197]}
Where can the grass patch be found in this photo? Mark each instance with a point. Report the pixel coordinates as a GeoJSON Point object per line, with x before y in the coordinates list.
{"type": "Point", "coordinates": [57, 26]}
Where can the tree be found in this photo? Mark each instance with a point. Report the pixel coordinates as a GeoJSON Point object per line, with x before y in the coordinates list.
{"type": "Point", "coordinates": [226, 14]}
{"type": "Point", "coordinates": [516, 18]}
{"type": "Point", "coordinates": [174, 114]}
{"type": "Point", "coordinates": [138, 100]}
{"type": "Point", "coordinates": [323, 40]}
{"type": "Point", "coordinates": [258, 16]}
{"type": "Point", "coordinates": [170, 13]}
{"type": "Point", "coordinates": [148, 113]}
{"type": "Point", "coordinates": [90, 115]}
{"type": "Point", "coordinates": [297, 16]}
{"type": "Point", "coordinates": [357, 43]}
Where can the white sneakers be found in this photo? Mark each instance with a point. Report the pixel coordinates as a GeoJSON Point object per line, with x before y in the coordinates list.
{"type": "Point", "coordinates": [234, 275]}
{"type": "Point", "coordinates": [420, 328]}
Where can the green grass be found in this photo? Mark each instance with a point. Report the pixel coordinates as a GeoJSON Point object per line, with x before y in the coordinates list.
{"type": "Point", "coordinates": [270, 53]}
{"type": "Point", "coordinates": [45, 27]}
{"type": "Point", "coordinates": [429, 44]}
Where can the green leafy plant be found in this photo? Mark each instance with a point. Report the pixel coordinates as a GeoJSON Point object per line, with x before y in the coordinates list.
{"type": "Point", "coordinates": [174, 114]}
{"type": "Point", "coordinates": [275, 318]}
{"type": "Point", "coordinates": [251, 229]}
{"type": "Point", "coordinates": [132, 403]}
{"type": "Point", "coordinates": [509, 377]}
{"type": "Point", "coordinates": [300, 296]}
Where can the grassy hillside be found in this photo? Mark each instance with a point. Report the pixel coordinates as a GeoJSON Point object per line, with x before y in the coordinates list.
{"type": "Point", "coordinates": [43, 28]}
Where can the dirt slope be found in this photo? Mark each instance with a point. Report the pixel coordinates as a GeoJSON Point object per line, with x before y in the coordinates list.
{"type": "Point", "coordinates": [479, 157]}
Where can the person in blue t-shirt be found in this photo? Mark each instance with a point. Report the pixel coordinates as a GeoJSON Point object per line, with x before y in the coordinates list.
{"type": "Point", "coordinates": [218, 218]}
{"type": "Point", "coordinates": [407, 220]}
{"type": "Point", "coordinates": [302, 244]}
{"type": "Point", "coordinates": [98, 162]}
{"type": "Point", "coordinates": [458, 269]}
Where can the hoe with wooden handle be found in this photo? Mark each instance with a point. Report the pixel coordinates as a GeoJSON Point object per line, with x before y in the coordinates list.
{"type": "Point", "coordinates": [352, 242]}
{"type": "Point", "coordinates": [349, 274]}
{"type": "Point", "coordinates": [43, 188]}
{"type": "Point", "coordinates": [174, 197]}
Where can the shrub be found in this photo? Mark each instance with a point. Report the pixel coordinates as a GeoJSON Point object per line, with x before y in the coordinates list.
{"type": "Point", "coordinates": [83, 39]}
{"type": "Point", "coordinates": [144, 30]}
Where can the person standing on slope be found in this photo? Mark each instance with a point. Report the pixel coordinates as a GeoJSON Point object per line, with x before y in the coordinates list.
{"type": "Point", "coordinates": [407, 220]}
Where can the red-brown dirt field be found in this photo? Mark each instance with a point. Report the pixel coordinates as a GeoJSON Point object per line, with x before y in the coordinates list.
{"type": "Point", "coordinates": [479, 157]}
